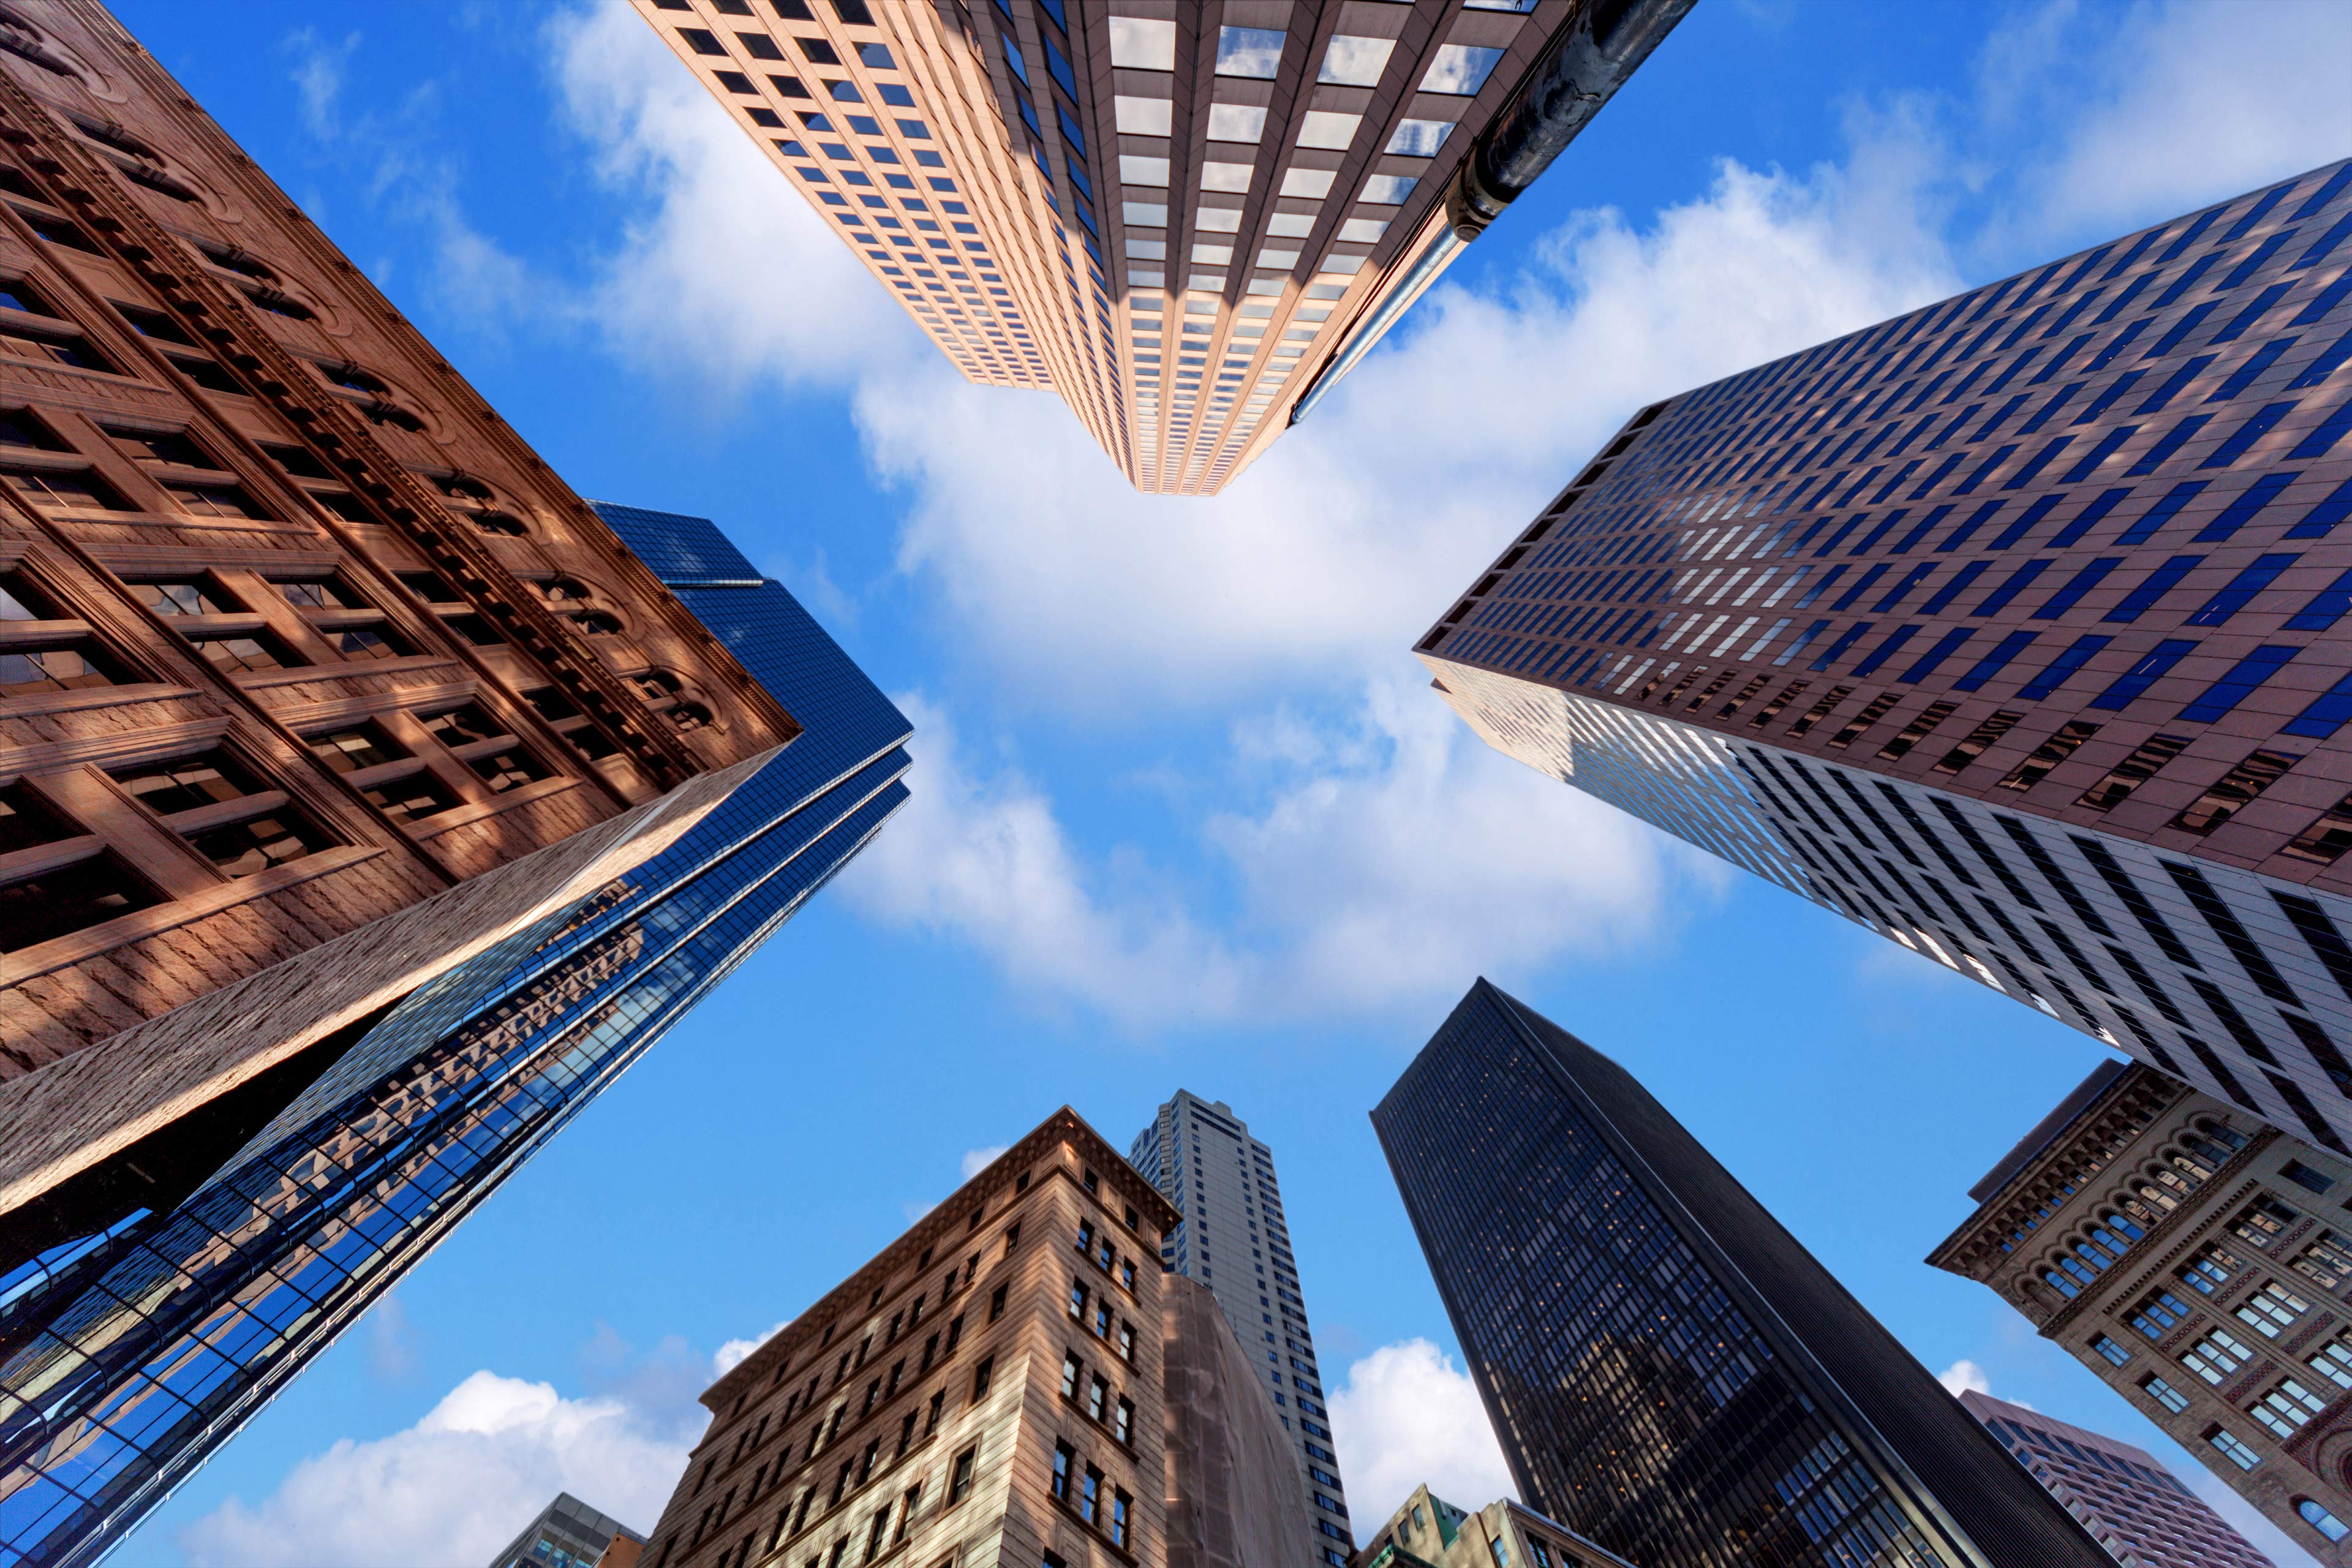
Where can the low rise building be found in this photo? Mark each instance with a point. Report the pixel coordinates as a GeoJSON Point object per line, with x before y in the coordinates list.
{"type": "Point", "coordinates": [2201, 1264]}
{"type": "Point", "coordinates": [1430, 1532]}
{"type": "Point", "coordinates": [568, 1534]}
{"type": "Point", "coordinates": [1011, 1381]}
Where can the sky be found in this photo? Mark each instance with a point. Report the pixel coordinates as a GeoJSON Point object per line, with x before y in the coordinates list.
{"type": "Point", "coordinates": [1185, 813]}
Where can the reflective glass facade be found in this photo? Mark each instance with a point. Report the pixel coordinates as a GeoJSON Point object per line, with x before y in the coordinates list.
{"type": "Point", "coordinates": [131, 1351]}
{"type": "Point", "coordinates": [1669, 1371]}
{"type": "Point", "coordinates": [2011, 628]}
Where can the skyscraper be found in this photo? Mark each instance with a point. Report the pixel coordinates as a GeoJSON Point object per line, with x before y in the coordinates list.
{"type": "Point", "coordinates": [1202, 1159]}
{"type": "Point", "coordinates": [2201, 1264]}
{"type": "Point", "coordinates": [2008, 628]}
{"type": "Point", "coordinates": [2136, 1508]}
{"type": "Point", "coordinates": [1181, 218]}
{"type": "Point", "coordinates": [1011, 1380]}
{"type": "Point", "coordinates": [568, 1534]}
{"type": "Point", "coordinates": [1427, 1532]}
{"type": "Point", "coordinates": [370, 804]}
{"type": "Point", "coordinates": [1669, 1371]}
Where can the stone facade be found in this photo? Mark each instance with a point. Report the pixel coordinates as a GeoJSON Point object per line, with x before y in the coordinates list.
{"type": "Point", "coordinates": [987, 1390]}
{"type": "Point", "coordinates": [1230, 1500]}
{"type": "Point", "coordinates": [294, 630]}
{"type": "Point", "coordinates": [2201, 1264]}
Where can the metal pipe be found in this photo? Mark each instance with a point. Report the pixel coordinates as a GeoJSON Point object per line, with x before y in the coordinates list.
{"type": "Point", "coordinates": [1601, 46]}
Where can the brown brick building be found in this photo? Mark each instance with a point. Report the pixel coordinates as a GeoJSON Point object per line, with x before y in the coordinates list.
{"type": "Point", "coordinates": [296, 630]}
{"type": "Point", "coordinates": [2201, 1264]}
{"type": "Point", "coordinates": [1176, 214]}
{"type": "Point", "coordinates": [366, 805]}
{"type": "Point", "coordinates": [994, 1387]}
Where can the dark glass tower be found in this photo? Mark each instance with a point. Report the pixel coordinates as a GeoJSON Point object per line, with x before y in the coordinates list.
{"type": "Point", "coordinates": [152, 1304]}
{"type": "Point", "coordinates": [1670, 1372]}
{"type": "Point", "coordinates": [2011, 628]}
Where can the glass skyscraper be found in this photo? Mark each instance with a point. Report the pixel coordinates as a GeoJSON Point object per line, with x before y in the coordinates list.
{"type": "Point", "coordinates": [1202, 1159]}
{"type": "Point", "coordinates": [2010, 628]}
{"type": "Point", "coordinates": [179, 1284]}
{"type": "Point", "coordinates": [1670, 1372]}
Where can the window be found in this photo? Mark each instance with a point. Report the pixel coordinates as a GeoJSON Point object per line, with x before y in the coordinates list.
{"type": "Point", "coordinates": [243, 654]}
{"type": "Point", "coordinates": [1071, 1369]}
{"type": "Point", "coordinates": [996, 1302]}
{"type": "Point", "coordinates": [64, 489]}
{"type": "Point", "coordinates": [1065, 1458]}
{"type": "Point", "coordinates": [65, 898]}
{"type": "Point", "coordinates": [2327, 1260]}
{"type": "Point", "coordinates": [2233, 790]}
{"type": "Point", "coordinates": [1078, 1293]}
{"type": "Point", "coordinates": [959, 1478]}
{"type": "Point", "coordinates": [2164, 1393]}
{"type": "Point", "coordinates": [2209, 1269]}
{"type": "Point", "coordinates": [2233, 1449]}
{"type": "Point", "coordinates": [981, 1377]}
{"type": "Point", "coordinates": [1091, 1495]}
{"type": "Point", "coordinates": [2113, 1352]}
{"type": "Point", "coordinates": [2157, 1314]}
{"type": "Point", "coordinates": [1123, 1429]}
{"type": "Point", "coordinates": [1102, 1320]}
{"type": "Point", "coordinates": [2216, 1356]}
{"type": "Point", "coordinates": [1460, 68]}
{"type": "Point", "coordinates": [2286, 1407]}
{"type": "Point", "coordinates": [2319, 1519]}
{"type": "Point", "coordinates": [1119, 1504]}
{"type": "Point", "coordinates": [237, 825]}
{"type": "Point", "coordinates": [2272, 1309]}
{"type": "Point", "coordinates": [483, 744]}
{"type": "Point", "coordinates": [1097, 1394]}
{"type": "Point", "coordinates": [2262, 1220]}
{"type": "Point", "coordinates": [348, 751]}
{"type": "Point", "coordinates": [1127, 1341]}
{"type": "Point", "coordinates": [413, 798]}
{"type": "Point", "coordinates": [2303, 1176]}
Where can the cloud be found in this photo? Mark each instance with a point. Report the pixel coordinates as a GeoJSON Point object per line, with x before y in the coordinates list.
{"type": "Point", "coordinates": [457, 1486]}
{"type": "Point", "coordinates": [735, 1353]}
{"type": "Point", "coordinates": [1380, 855]}
{"type": "Point", "coordinates": [2137, 113]}
{"type": "Point", "coordinates": [394, 1348]}
{"type": "Point", "coordinates": [1407, 1416]}
{"type": "Point", "coordinates": [975, 1161]}
{"type": "Point", "coordinates": [1964, 1376]}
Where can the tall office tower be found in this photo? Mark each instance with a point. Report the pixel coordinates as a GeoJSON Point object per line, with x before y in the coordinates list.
{"type": "Point", "coordinates": [2136, 1508]}
{"type": "Point", "coordinates": [2008, 628]}
{"type": "Point", "coordinates": [1181, 218]}
{"type": "Point", "coordinates": [1202, 1159]}
{"type": "Point", "coordinates": [367, 803]}
{"type": "Point", "coordinates": [568, 1534]}
{"type": "Point", "coordinates": [2201, 1264]}
{"type": "Point", "coordinates": [1427, 1532]}
{"type": "Point", "coordinates": [996, 1386]}
{"type": "Point", "coordinates": [1669, 1371]}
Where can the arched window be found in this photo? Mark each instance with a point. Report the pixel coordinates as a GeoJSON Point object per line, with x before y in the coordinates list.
{"type": "Point", "coordinates": [2076, 1269]}
{"type": "Point", "coordinates": [2228, 1137]}
{"type": "Point", "coordinates": [596, 623]}
{"type": "Point", "coordinates": [499, 522]}
{"type": "Point", "coordinates": [2059, 1283]}
{"type": "Point", "coordinates": [2130, 1230]}
{"type": "Point", "coordinates": [2207, 1151]}
{"type": "Point", "coordinates": [2103, 1240]}
{"type": "Point", "coordinates": [2319, 1519]}
{"type": "Point", "coordinates": [689, 716]}
{"type": "Point", "coordinates": [564, 591]}
{"type": "Point", "coordinates": [2143, 1210]}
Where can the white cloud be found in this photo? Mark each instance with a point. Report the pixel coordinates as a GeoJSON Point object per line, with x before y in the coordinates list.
{"type": "Point", "coordinates": [1965, 1376]}
{"type": "Point", "coordinates": [735, 1353]}
{"type": "Point", "coordinates": [2134, 113]}
{"type": "Point", "coordinates": [1407, 1415]}
{"type": "Point", "coordinates": [394, 1348]}
{"type": "Point", "coordinates": [452, 1489]}
{"type": "Point", "coordinates": [1382, 856]}
{"type": "Point", "coordinates": [975, 1161]}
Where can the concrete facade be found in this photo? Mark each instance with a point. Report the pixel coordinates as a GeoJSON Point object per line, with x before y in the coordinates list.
{"type": "Point", "coordinates": [1172, 214]}
{"type": "Point", "coordinates": [1202, 1159]}
{"type": "Point", "coordinates": [2199, 1264]}
{"type": "Point", "coordinates": [2131, 1505]}
{"type": "Point", "coordinates": [2008, 628]}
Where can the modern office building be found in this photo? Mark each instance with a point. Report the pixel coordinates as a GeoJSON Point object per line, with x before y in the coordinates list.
{"type": "Point", "coordinates": [2131, 1505]}
{"type": "Point", "coordinates": [2008, 628]}
{"type": "Point", "coordinates": [2201, 1264]}
{"type": "Point", "coordinates": [568, 1534]}
{"type": "Point", "coordinates": [1428, 1531]}
{"type": "Point", "coordinates": [1000, 1384]}
{"type": "Point", "coordinates": [1202, 1159]}
{"type": "Point", "coordinates": [369, 803]}
{"type": "Point", "coordinates": [1180, 218]}
{"type": "Point", "coordinates": [1670, 1372]}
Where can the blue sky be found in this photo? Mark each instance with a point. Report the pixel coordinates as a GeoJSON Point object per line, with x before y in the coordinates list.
{"type": "Point", "coordinates": [1185, 813]}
